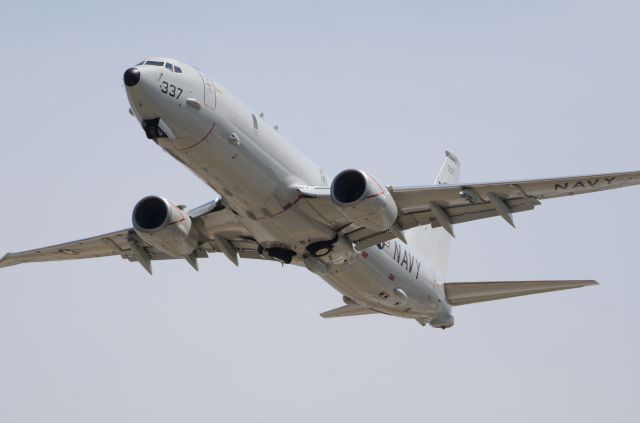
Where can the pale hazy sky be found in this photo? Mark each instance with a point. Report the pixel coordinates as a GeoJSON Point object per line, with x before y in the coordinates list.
{"type": "Point", "coordinates": [517, 89]}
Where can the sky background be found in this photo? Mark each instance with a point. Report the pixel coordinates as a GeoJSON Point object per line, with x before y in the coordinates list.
{"type": "Point", "coordinates": [517, 89]}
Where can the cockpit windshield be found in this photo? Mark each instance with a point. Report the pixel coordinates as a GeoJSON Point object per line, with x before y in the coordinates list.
{"type": "Point", "coordinates": [169, 66]}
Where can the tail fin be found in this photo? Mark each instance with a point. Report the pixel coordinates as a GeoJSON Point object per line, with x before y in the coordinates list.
{"type": "Point", "coordinates": [434, 244]}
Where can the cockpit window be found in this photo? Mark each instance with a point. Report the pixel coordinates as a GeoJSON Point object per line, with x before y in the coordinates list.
{"type": "Point", "coordinates": [167, 65]}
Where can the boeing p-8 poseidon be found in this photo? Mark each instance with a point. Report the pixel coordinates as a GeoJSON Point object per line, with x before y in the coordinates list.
{"type": "Point", "coordinates": [384, 248]}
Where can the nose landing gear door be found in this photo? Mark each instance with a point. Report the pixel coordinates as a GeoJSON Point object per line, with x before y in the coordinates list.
{"type": "Point", "coordinates": [209, 91]}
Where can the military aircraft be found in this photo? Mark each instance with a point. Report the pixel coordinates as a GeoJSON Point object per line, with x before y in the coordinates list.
{"type": "Point", "coordinates": [384, 248]}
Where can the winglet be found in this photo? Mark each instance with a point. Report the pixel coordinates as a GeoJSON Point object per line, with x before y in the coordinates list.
{"type": "Point", "coordinates": [4, 261]}
{"type": "Point", "coordinates": [10, 259]}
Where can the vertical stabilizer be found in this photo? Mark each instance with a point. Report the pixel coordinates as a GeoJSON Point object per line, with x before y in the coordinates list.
{"type": "Point", "coordinates": [434, 244]}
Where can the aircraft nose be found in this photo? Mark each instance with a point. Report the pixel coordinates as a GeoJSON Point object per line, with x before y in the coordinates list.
{"type": "Point", "coordinates": [131, 77]}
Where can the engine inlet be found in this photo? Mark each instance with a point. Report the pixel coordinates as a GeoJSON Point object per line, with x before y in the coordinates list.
{"type": "Point", "coordinates": [150, 213]}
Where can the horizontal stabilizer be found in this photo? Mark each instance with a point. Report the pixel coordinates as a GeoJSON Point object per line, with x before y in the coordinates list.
{"type": "Point", "coordinates": [460, 293]}
{"type": "Point", "coordinates": [347, 310]}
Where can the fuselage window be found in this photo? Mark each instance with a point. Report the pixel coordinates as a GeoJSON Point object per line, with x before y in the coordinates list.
{"type": "Point", "coordinates": [177, 69]}
{"type": "Point", "coordinates": [169, 66]}
{"type": "Point", "coordinates": [154, 63]}
{"type": "Point", "coordinates": [255, 121]}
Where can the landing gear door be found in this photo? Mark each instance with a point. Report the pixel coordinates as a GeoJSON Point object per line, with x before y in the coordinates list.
{"type": "Point", "coordinates": [209, 91]}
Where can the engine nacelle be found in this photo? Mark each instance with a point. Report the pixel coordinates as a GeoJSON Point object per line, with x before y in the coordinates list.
{"type": "Point", "coordinates": [164, 226]}
{"type": "Point", "coordinates": [363, 200]}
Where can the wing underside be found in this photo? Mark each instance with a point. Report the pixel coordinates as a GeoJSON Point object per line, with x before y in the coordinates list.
{"type": "Point", "coordinates": [448, 205]}
{"type": "Point", "coordinates": [216, 221]}
{"type": "Point", "coordinates": [434, 205]}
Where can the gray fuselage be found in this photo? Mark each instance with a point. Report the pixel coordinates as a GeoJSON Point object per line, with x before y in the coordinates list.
{"type": "Point", "coordinates": [258, 173]}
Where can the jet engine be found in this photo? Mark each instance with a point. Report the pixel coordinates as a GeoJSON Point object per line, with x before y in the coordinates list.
{"type": "Point", "coordinates": [165, 226]}
{"type": "Point", "coordinates": [363, 200]}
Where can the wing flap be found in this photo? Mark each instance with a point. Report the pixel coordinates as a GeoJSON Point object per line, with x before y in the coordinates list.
{"type": "Point", "coordinates": [464, 213]}
{"type": "Point", "coordinates": [460, 293]}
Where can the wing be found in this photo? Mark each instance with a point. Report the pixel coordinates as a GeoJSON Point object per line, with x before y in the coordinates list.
{"type": "Point", "coordinates": [446, 205]}
{"type": "Point", "coordinates": [460, 293]}
{"type": "Point", "coordinates": [463, 203]}
{"type": "Point", "coordinates": [222, 233]}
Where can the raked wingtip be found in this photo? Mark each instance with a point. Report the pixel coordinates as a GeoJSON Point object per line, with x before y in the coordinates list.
{"type": "Point", "coordinates": [4, 261]}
